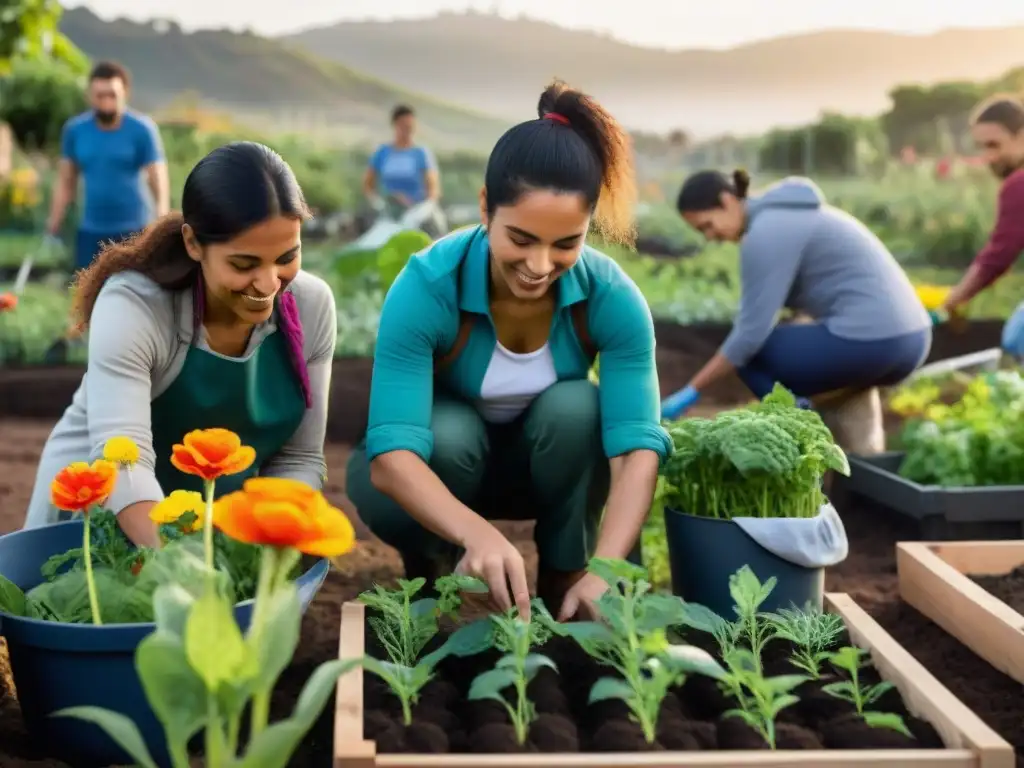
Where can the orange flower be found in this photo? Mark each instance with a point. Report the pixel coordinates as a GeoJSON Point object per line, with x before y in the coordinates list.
{"type": "Point", "coordinates": [284, 513]}
{"type": "Point", "coordinates": [79, 486]}
{"type": "Point", "coordinates": [211, 453]}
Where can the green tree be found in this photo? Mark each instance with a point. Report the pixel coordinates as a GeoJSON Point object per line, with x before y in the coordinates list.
{"type": "Point", "coordinates": [29, 29]}
{"type": "Point", "coordinates": [38, 98]}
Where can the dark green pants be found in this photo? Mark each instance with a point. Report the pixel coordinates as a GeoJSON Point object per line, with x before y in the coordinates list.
{"type": "Point", "coordinates": [547, 465]}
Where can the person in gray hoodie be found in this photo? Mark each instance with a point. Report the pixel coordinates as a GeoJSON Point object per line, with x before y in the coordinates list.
{"type": "Point", "coordinates": [796, 251]}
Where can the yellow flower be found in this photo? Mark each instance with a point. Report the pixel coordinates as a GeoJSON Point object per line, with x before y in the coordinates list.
{"type": "Point", "coordinates": [177, 504]}
{"type": "Point", "coordinates": [122, 451]}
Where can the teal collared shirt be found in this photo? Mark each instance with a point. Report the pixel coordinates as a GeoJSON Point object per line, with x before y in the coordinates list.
{"type": "Point", "coordinates": [420, 321]}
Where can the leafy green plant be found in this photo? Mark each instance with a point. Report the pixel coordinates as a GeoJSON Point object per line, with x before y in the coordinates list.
{"type": "Point", "coordinates": [630, 638]}
{"type": "Point", "coordinates": [812, 633]}
{"type": "Point", "coordinates": [127, 577]}
{"type": "Point", "coordinates": [765, 460]}
{"type": "Point", "coordinates": [760, 698]}
{"type": "Point", "coordinates": [405, 626]}
{"type": "Point", "coordinates": [850, 660]}
{"type": "Point", "coordinates": [517, 667]}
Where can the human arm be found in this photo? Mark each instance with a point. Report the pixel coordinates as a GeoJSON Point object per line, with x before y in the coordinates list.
{"type": "Point", "coordinates": [371, 178]}
{"type": "Point", "coordinates": [414, 323]}
{"type": "Point", "coordinates": [302, 457]}
{"type": "Point", "coordinates": [1003, 248]}
{"type": "Point", "coordinates": [65, 188]}
{"type": "Point", "coordinates": [124, 340]}
{"type": "Point", "coordinates": [152, 161]}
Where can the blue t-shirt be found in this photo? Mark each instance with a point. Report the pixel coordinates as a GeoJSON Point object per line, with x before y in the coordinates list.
{"type": "Point", "coordinates": [110, 162]}
{"type": "Point", "coordinates": [403, 170]}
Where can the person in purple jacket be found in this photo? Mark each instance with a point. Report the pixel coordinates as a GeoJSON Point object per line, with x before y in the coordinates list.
{"type": "Point", "coordinates": [998, 130]}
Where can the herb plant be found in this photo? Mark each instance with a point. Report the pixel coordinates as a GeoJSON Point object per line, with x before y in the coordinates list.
{"type": "Point", "coordinates": [850, 660]}
{"type": "Point", "coordinates": [760, 698]}
{"type": "Point", "coordinates": [811, 631]}
{"type": "Point", "coordinates": [516, 668]}
{"type": "Point", "coordinates": [765, 460]}
{"type": "Point", "coordinates": [630, 638]}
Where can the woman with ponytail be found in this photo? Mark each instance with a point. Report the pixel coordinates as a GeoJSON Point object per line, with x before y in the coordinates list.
{"type": "Point", "coordinates": [203, 320]}
{"type": "Point", "coordinates": [480, 406]}
{"type": "Point", "coordinates": [869, 327]}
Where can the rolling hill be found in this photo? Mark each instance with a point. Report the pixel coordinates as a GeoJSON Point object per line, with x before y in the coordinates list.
{"type": "Point", "coordinates": [261, 79]}
{"type": "Point", "coordinates": [500, 65]}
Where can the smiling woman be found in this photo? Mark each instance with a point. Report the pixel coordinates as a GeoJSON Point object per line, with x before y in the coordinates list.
{"type": "Point", "coordinates": [204, 319]}
{"type": "Point", "coordinates": [481, 407]}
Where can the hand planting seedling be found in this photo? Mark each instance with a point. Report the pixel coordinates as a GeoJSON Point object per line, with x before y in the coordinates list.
{"type": "Point", "coordinates": [761, 699]}
{"type": "Point", "coordinates": [850, 660]}
{"type": "Point", "coordinates": [630, 638]}
{"type": "Point", "coordinates": [515, 638]}
{"type": "Point", "coordinates": [404, 625]}
{"type": "Point", "coordinates": [812, 633]}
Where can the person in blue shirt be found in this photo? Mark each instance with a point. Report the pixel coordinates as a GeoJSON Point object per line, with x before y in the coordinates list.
{"type": "Point", "coordinates": [118, 155]}
{"type": "Point", "coordinates": [402, 170]}
{"type": "Point", "coordinates": [480, 405]}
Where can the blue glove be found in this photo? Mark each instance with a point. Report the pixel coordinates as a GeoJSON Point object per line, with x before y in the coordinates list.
{"type": "Point", "coordinates": [675, 405]}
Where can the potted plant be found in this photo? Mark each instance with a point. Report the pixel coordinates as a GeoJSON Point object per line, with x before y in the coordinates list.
{"type": "Point", "coordinates": [76, 598]}
{"type": "Point", "coordinates": [745, 488]}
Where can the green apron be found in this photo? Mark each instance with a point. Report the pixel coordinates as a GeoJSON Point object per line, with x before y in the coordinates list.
{"type": "Point", "coordinates": [258, 398]}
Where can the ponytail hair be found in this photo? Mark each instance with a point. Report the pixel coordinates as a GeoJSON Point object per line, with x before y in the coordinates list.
{"type": "Point", "coordinates": [231, 190]}
{"type": "Point", "coordinates": [703, 190]}
{"type": "Point", "coordinates": [575, 145]}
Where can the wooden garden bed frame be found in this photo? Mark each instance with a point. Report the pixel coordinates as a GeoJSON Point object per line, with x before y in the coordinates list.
{"type": "Point", "coordinates": [969, 742]}
{"type": "Point", "coordinates": [934, 579]}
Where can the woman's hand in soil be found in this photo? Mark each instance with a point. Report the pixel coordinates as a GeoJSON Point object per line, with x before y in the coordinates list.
{"type": "Point", "coordinates": [582, 597]}
{"type": "Point", "coordinates": [493, 558]}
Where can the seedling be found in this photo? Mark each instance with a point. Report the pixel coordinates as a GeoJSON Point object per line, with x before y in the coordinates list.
{"type": "Point", "coordinates": [850, 660]}
{"type": "Point", "coordinates": [748, 595]}
{"type": "Point", "coordinates": [405, 682]}
{"type": "Point", "coordinates": [405, 626]}
{"type": "Point", "coordinates": [516, 668]}
{"type": "Point", "coordinates": [630, 638]}
{"type": "Point", "coordinates": [812, 633]}
{"type": "Point", "coordinates": [761, 699]}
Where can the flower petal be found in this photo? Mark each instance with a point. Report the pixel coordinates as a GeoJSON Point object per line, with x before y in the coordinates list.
{"type": "Point", "coordinates": [239, 461]}
{"type": "Point", "coordinates": [232, 514]}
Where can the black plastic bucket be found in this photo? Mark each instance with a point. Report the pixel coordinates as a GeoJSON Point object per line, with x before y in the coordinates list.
{"type": "Point", "coordinates": [704, 552]}
{"type": "Point", "coordinates": [56, 666]}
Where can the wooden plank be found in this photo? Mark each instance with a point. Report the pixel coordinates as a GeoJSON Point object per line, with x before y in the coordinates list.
{"type": "Point", "coordinates": [933, 579]}
{"type": "Point", "coordinates": [351, 750]}
{"type": "Point", "coordinates": [970, 744]}
{"type": "Point", "coordinates": [924, 696]}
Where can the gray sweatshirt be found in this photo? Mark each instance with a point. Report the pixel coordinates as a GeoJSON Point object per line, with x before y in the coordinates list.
{"type": "Point", "coordinates": [801, 253]}
{"type": "Point", "coordinates": [139, 335]}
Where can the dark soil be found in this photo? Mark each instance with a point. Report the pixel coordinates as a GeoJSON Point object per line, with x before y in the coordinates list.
{"type": "Point", "coordinates": [691, 718]}
{"type": "Point", "coordinates": [1009, 587]}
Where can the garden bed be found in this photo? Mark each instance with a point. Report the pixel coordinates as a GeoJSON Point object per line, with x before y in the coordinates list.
{"type": "Point", "coordinates": [962, 587]}
{"type": "Point", "coordinates": [941, 513]}
{"type": "Point", "coordinates": [367, 725]}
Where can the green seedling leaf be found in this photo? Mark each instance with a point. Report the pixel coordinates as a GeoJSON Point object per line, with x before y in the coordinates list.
{"type": "Point", "coordinates": [468, 640]}
{"type": "Point", "coordinates": [490, 684]}
{"type": "Point", "coordinates": [214, 644]}
{"type": "Point", "coordinates": [174, 691]}
{"type": "Point", "coordinates": [118, 727]}
{"type": "Point", "coordinates": [689, 659]}
{"type": "Point", "coordinates": [172, 604]}
{"type": "Point", "coordinates": [12, 599]}
{"type": "Point", "coordinates": [887, 720]}
{"type": "Point", "coordinates": [610, 688]}
{"type": "Point", "coordinates": [613, 572]}
{"type": "Point", "coordinates": [275, 645]}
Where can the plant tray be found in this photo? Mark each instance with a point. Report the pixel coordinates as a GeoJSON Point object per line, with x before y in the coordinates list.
{"type": "Point", "coordinates": [935, 579]}
{"type": "Point", "coordinates": [943, 514]}
{"type": "Point", "coordinates": [970, 743]}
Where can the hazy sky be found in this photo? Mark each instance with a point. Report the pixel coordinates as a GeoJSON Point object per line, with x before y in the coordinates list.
{"type": "Point", "coordinates": [668, 23]}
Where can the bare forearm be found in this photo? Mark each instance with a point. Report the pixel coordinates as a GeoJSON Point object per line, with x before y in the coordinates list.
{"type": "Point", "coordinates": [975, 280]}
{"type": "Point", "coordinates": [134, 521]}
{"type": "Point", "coordinates": [405, 477]}
{"type": "Point", "coordinates": [634, 477]}
{"type": "Point", "coordinates": [63, 196]}
{"type": "Point", "coordinates": [717, 367]}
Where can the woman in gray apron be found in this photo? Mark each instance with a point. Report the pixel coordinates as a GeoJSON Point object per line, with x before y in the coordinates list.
{"type": "Point", "coordinates": [203, 320]}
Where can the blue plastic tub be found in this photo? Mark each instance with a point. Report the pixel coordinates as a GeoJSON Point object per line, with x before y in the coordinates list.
{"type": "Point", "coordinates": [66, 665]}
{"type": "Point", "coordinates": [704, 552]}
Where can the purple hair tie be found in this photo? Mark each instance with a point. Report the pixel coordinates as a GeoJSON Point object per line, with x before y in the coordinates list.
{"type": "Point", "coordinates": [291, 327]}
